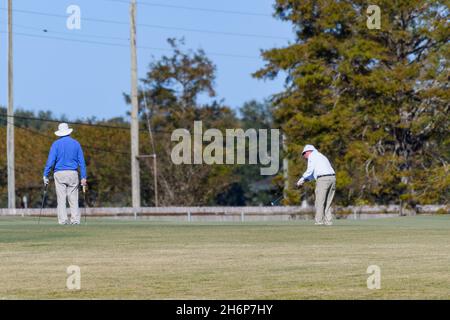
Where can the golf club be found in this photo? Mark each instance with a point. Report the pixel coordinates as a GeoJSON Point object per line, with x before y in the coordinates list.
{"type": "Point", "coordinates": [43, 201]}
{"type": "Point", "coordinates": [276, 201]}
{"type": "Point", "coordinates": [85, 204]}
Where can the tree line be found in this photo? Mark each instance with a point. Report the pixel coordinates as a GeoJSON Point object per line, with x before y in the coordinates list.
{"type": "Point", "coordinates": [168, 100]}
{"type": "Point", "coordinates": [374, 101]}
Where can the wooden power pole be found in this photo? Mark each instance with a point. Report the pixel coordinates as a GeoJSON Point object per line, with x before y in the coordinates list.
{"type": "Point", "coordinates": [10, 117]}
{"type": "Point", "coordinates": [135, 179]}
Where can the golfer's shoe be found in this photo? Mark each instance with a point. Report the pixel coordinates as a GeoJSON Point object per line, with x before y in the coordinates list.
{"type": "Point", "coordinates": [64, 222]}
{"type": "Point", "coordinates": [319, 224]}
{"type": "Point", "coordinates": [328, 224]}
{"type": "Point", "coordinates": [75, 222]}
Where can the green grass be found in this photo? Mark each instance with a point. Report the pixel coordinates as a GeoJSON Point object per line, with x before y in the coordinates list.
{"type": "Point", "coordinates": [121, 259]}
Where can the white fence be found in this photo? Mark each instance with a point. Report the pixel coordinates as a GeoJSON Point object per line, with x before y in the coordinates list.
{"type": "Point", "coordinates": [233, 213]}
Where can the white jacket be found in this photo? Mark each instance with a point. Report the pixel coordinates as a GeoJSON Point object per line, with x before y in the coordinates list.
{"type": "Point", "coordinates": [318, 165]}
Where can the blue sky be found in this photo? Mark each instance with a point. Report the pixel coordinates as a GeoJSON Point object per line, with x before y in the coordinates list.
{"type": "Point", "coordinates": [80, 79]}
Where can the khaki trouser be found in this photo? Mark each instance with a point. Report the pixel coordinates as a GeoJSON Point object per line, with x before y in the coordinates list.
{"type": "Point", "coordinates": [325, 188]}
{"type": "Point", "coordinates": [66, 183]}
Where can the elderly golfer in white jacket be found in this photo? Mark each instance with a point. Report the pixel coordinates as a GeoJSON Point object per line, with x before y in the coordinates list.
{"type": "Point", "coordinates": [320, 169]}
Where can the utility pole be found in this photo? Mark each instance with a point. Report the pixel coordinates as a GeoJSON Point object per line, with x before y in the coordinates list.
{"type": "Point", "coordinates": [10, 117]}
{"type": "Point", "coordinates": [135, 179]}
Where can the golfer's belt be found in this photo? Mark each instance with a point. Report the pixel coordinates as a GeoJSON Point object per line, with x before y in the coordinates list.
{"type": "Point", "coordinates": [325, 175]}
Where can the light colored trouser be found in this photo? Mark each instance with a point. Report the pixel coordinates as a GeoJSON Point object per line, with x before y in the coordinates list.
{"type": "Point", "coordinates": [66, 183]}
{"type": "Point", "coordinates": [325, 188]}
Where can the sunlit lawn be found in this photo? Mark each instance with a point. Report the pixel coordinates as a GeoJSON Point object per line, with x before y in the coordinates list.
{"type": "Point", "coordinates": [127, 259]}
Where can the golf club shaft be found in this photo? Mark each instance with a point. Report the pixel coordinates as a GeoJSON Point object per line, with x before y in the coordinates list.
{"type": "Point", "coordinates": [277, 200]}
{"type": "Point", "coordinates": [42, 204]}
{"type": "Point", "coordinates": [85, 205]}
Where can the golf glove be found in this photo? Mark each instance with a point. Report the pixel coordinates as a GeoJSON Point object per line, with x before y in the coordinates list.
{"type": "Point", "coordinates": [300, 182]}
{"type": "Point", "coordinates": [45, 180]}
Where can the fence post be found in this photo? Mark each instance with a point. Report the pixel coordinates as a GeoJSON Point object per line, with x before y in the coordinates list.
{"type": "Point", "coordinates": [189, 216]}
{"type": "Point", "coordinates": [242, 216]}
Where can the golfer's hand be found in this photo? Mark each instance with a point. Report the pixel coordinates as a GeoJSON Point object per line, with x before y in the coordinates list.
{"type": "Point", "coordinates": [46, 180]}
{"type": "Point", "coordinates": [300, 182]}
{"type": "Point", "coordinates": [83, 182]}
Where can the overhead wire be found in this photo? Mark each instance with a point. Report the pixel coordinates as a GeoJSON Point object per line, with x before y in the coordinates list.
{"type": "Point", "coordinates": [125, 45]}
{"type": "Point", "coordinates": [155, 26]}
{"type": "Point", "coordinates": [92, 124]}
{"type": "Point", "coordinates": [199, 9]}
{"type": "Point", "coordinates": [69, 122]}
{"type": "Point", "coordinates": [87, 146]}
{"type": "Point", "coordinates": [50, 31]}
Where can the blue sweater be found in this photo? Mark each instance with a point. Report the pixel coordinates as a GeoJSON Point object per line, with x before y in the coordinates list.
{"type": "Point", "coordinates": [65, 154]}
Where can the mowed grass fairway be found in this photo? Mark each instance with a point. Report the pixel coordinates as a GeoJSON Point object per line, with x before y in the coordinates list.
{"type": "Point", "coordinates": [127, 259]}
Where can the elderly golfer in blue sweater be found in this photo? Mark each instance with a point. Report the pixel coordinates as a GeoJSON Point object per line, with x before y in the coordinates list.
{"type": "Point", "coordinates": [64, 158]}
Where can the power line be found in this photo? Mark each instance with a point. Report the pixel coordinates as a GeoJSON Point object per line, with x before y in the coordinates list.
{"type": "Point", "coordinates": [95, 148]}
{"type": "Point", "coordinates": [90, 124]}
{"type": "Point", "coordinates": [235, 34]}
{"type": "Point", "coordinates": [126, 46]}
{"type": "Point", "coordinates": [74, 40]}
{"type": "Point", "coordinates": [170, 6]}
{"type": "Point", "coordinates": [78, 123]}
{"type": "Point", "coordinates": [89, 147]}
{"type": "Point", "coordinates": [205, 31]}
{"type": "Point", "coordinates": [69, 122]}
{"type": "Point", "coordinates": [48, 31]}
{"type": "Point", "coordinates": [55, 15]}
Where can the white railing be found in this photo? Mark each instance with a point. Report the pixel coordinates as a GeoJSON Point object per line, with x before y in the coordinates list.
{"type": "Point", "coordinates": [232, 213]}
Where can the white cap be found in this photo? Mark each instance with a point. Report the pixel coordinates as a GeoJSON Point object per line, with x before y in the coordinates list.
{"type": "Point", "coordinates": [308, 147]}
{"type": "Point", "coordinates": [63, 130]}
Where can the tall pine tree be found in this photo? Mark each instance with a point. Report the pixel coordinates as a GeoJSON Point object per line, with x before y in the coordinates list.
{"type": "Point", "coordinates": [376, 101]}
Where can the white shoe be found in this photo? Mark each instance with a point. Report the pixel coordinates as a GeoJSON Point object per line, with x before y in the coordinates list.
{"type": "Point", "coordinates": [318, 224]}
{"type": "Point", "coordinates": [75, 222]}
{"type": "Point", "coordinates": [328, 224]}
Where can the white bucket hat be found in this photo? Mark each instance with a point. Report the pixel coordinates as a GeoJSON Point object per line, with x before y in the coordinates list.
{"type": "Point", "coordinates": [308, 147]}
{"type": "Point", "coordinates": [63, 130]}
